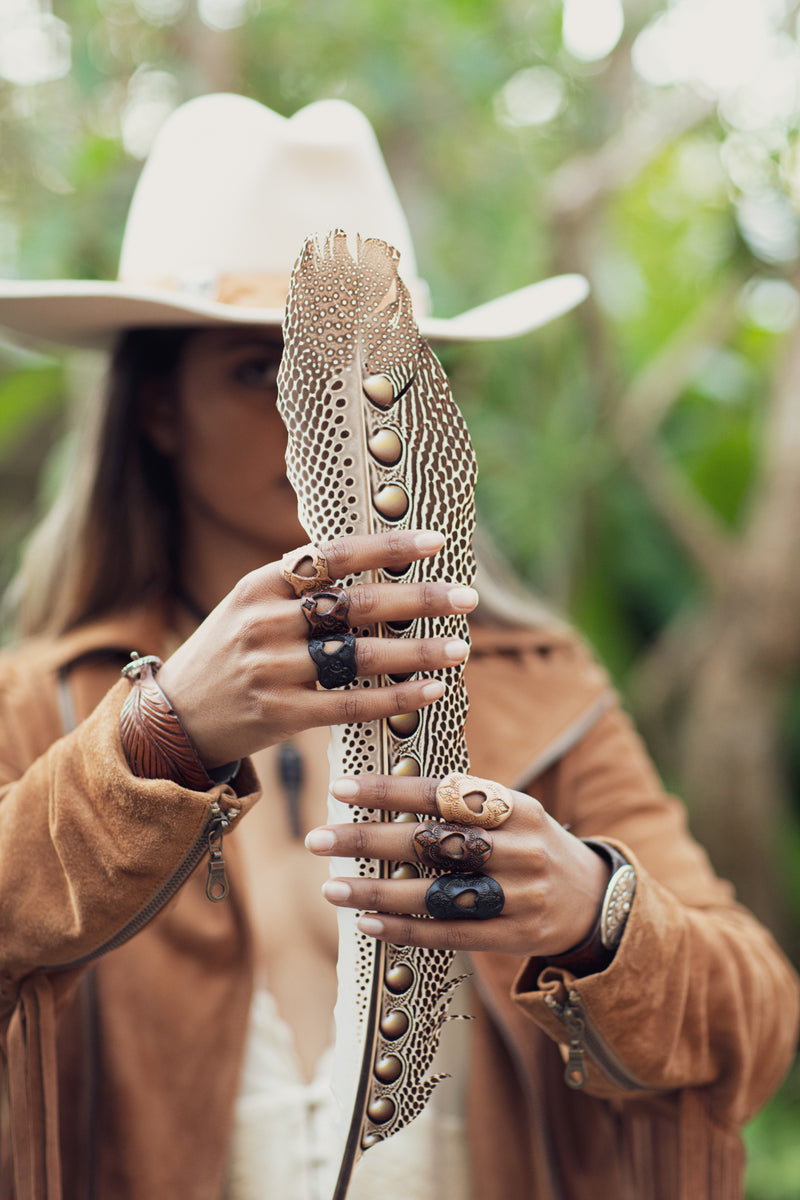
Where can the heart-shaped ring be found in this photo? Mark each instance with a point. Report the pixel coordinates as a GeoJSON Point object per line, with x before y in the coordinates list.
{"type": "Point", "coordinates": [496, 801]}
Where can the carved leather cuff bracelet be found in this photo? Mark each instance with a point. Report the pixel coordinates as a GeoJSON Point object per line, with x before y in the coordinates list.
{"type": "Point", "coordinates": [597, 950]}
{"type": "Point", "coordinates": [153, 739]}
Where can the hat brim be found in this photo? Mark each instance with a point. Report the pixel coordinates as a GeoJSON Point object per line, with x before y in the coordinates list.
{"type": "Point", "coordinates": [91, 314]}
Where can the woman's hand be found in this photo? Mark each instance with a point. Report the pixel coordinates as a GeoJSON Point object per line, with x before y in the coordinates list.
{"type": "Point", "coordinates": [245, 680]}
{"type": "Point", "coordinates": [553, 883]}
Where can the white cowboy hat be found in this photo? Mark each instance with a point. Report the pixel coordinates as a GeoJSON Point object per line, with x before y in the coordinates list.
{"type": "Point", "coordinates": [228, 195]}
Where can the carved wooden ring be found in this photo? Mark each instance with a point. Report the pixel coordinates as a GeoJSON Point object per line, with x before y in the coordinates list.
{"type": "Point", "coordinates": [449, 847]}
{"type": "Point", "coordinates": [464, 898]}
{"type": "Point", "coordinates": [333, 619]}
{"type": "Point", "coordinates": [451, 805]}
{"type": "Point", "coordinates": [302, 584]}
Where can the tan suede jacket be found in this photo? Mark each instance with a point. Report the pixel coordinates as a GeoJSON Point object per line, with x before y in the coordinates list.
{"type": "Point", "coordinates": [124, 993]}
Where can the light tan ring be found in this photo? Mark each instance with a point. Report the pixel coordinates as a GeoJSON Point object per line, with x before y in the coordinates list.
{"type": "Point", "coordinates": [451, 805]}
{"type": "Point", "coordinates": [301, 585]}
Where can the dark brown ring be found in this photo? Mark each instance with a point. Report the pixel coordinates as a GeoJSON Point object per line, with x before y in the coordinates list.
{"type": "Point", "coordinates": [431, 837]}
{"type": "Point", "coordinates": [334, 619]}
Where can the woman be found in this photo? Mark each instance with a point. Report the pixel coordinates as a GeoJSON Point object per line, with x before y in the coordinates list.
{"type": "Point", "coordinates": [158, 1044]}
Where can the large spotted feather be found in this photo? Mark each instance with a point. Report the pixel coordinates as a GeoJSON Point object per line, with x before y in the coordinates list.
{"type": "Point", "coordinates": [376, 443]}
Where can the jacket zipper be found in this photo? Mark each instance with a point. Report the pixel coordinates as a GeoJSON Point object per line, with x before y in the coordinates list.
{"type": "Point", "coordinates": [584, 1038]}
{"type": "Point", "coordinates": [208, 841]}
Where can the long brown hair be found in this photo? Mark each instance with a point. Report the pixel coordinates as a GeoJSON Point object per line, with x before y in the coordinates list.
{"type": "Point", "coordinates": [110, 541]}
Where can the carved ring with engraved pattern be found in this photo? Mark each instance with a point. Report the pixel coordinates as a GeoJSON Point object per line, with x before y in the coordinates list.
{"type": "Point", "coordinates": [449, 847]}
{"type": "Point", "coordinates": [464, 898]}
{"type": "Point", "coordinates": [299, 581]}
{"type": "Point", "coordinates": [495, 801]}
{"type": "Point", "coordinates": [330, 619]}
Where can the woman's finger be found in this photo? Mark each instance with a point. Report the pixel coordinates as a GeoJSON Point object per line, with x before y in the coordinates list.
{"type": "Point", "coordinates": [439, 935]}
{"type": "Point", "coordinates": [382, 895]}
{"type": "Point", "coordinates": [364, 552]}
{"type": "Point", "coordinates": [393, 842]}
{"type": "Point", "coordinates": [417, 794]}
{"type": "Point", "coordinates": [389, 840]}
{"type": "Point", "coordinates": [394, 793]}
{"type": "Point", "coordinates": [304, 708]}
{"type": "Point", "coordinates": [393, 549]}
{"type": "Point", "coordinates": [371, 603]}
{"type": "Point", "coordinates": [387, 603]}
{"type": "Point", "coordinates": [404, 896]}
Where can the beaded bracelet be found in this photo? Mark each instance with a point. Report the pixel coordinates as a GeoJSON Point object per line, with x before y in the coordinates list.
{"type": "Point", "coordinates": [154, 741]}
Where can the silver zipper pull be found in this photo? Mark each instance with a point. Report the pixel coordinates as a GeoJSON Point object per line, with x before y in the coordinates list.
{"type": "Point", "coordinates": [217, 882]}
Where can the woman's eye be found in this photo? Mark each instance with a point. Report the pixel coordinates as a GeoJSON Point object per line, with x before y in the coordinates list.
{"type": "Point", "coordinates": [258, 373]}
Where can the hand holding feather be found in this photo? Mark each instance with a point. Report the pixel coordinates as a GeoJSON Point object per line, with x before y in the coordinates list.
{"type": "Point", "coordinates": [552, 882]}
{"type": "Point", "coordinates": [244, 679]}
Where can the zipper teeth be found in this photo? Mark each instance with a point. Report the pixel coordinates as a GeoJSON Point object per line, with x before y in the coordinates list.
{"type": "Point", "coordinates": [157, 901]}
{"type": "Point", "coordinates": [592, 1042]}
{"type": "Point", "coordinates": [609, 1063]}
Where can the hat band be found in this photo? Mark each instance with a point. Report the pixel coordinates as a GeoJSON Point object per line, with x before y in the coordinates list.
{"type": "Point", "coordinates": [254, 289]}
{"type": "Point", "coordinates": [246, 289]}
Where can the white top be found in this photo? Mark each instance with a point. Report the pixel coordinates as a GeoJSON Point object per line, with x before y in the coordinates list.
{"type": "Point", "coordinates": [282, 1142]}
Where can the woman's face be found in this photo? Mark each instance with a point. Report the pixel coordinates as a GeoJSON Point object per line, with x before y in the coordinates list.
{"type": "Point", "coordinates": [222, 430]}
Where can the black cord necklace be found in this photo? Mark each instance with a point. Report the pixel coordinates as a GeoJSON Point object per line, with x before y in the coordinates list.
{"type": "Point", "coordinates": [291, 768]}
{"type": "Point", "coordinates": [291, 771]}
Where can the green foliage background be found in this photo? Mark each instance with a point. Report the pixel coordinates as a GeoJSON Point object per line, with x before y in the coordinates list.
{"type": "Point", "coordinates": [555, 488]}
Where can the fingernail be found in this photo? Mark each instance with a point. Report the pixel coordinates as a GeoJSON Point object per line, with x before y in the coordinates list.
{"type": "Point", "coordinates": [429, 540]}
{"type": "Point", "coordinates": [370, 925]}
{"type": "Point", "coordinates": [463, 598]}
{"type": "Point", "coordinates": [336, 891]}
{"type": "Point", "coordinates": [320, 839]}
{"type": "Point", "coordinates": [433, 690]}
{"type": "Point", "coordinates": [344, 789]}
{"type": "Point", "coordinates": [456, 649]}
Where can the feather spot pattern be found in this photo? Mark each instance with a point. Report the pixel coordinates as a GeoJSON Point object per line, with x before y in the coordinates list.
{"type": "Point", "coordinates": [377, 443]}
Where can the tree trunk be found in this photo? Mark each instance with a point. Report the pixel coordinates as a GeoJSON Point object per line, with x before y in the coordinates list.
{"type": "Point", "coordinates": [730, 759]}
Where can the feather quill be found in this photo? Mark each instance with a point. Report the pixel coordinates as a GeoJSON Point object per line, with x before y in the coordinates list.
{"type": "Point", "coordinates": [364, 461]}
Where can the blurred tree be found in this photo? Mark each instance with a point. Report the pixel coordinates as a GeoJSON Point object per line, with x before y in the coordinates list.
{"type": "Point", "coordinates": [713, 683]}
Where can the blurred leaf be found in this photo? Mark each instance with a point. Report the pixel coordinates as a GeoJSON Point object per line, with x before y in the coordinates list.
{"type": "Point", "coordinates": [773, 1146]}
{"type": "Point", "coordinates": [25, 396]}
